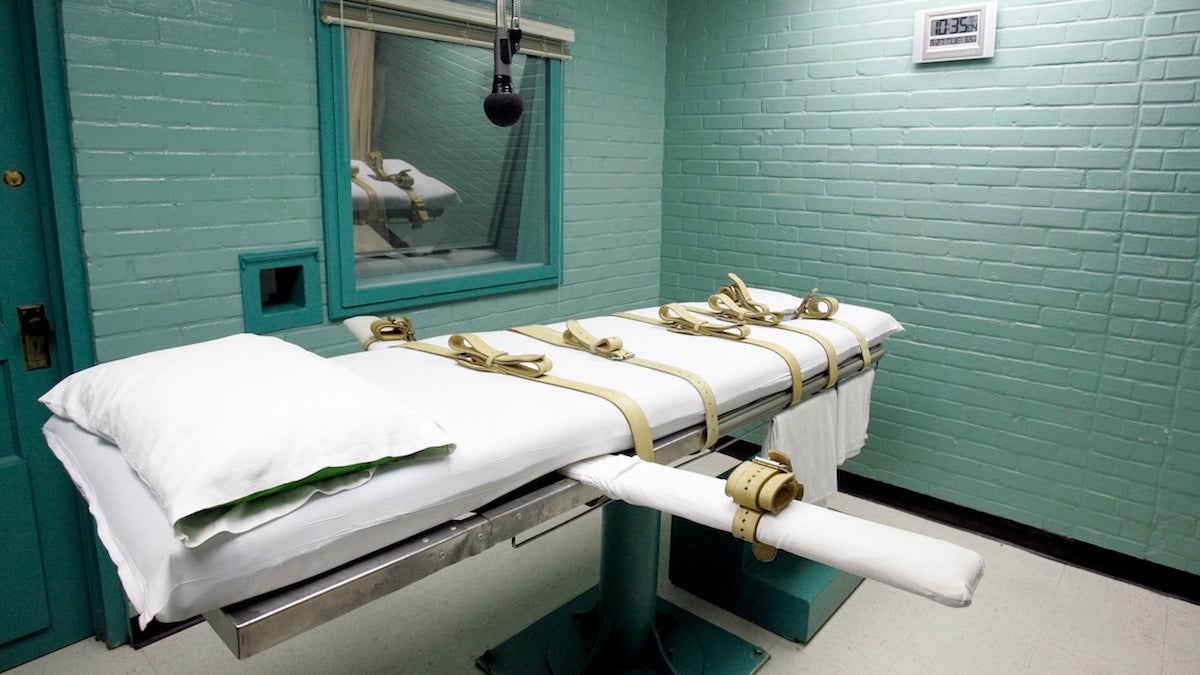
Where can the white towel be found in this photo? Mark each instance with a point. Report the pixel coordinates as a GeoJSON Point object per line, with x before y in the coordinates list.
{"type": "Point", "coordinates": [853, 414]}
{"type": "Point", "coordinates": [808, 434]}
{"type": "Point", "coordinates": [935, 569]}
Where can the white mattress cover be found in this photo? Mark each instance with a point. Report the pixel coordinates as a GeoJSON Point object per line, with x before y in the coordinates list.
{"type": "Point", "coordinates": [509, 431]}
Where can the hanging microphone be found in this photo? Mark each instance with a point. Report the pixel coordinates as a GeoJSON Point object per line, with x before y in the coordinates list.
{"type": "Point", "coordinates": [502, 106]}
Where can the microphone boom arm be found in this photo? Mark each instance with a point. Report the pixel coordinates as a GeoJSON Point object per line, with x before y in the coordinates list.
{"type": "Point", "coordinates": [502, 106]}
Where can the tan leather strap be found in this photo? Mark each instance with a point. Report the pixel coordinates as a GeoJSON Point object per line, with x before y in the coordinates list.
{"type": "Point", "coordinates": [763, 484]}
{"type": "Point", "coordinates": [740, 295]}
{"type": "Point", "coordinates": [745, 527]}
{"type": "Point", "coordinates": [678, 319]}
{"type": "Point", "coordinates": [725, 307]}
{"type": "Point", "coordinates": [758, 486]}
{"type": "Point", "coordinates": [418, 215]}
{"type": "Point", "coordinates": [578, 337]}
{"type": "Point", "coordinates": [471, 351]}
{"type": "Point", "coordinates": [722, 307]}
{"type": "Point", "coordinates": [813, 306]}
{"type": "Point", "coordinates": [373, 220]}
{"type": "Point", "coordinates": [389, 329]}
{"type": "Point", "coordinates": [823, 307]}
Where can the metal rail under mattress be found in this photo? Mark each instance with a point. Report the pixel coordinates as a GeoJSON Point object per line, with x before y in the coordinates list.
{"type": "Point", "coordinates": [254, 625]}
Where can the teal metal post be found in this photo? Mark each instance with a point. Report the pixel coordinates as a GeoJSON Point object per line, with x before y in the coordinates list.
{"type": "Point", "coordinates": [629, 583]}
{"type": "Point", "coordinates": [622, 627]}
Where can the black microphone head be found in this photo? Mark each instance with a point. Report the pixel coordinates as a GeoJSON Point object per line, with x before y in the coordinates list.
{"type": "Point", "coordinates": [503, 109]}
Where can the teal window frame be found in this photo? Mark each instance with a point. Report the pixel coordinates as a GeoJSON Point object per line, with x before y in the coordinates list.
{"type": "Point", "coordinates": [345, 295]}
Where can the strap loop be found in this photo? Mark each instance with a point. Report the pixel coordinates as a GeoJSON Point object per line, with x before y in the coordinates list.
{"type": "Point", "coordinates": [578, 337]}
{"type": "Point", "coordinates": [679, 320]}
{"type": "Point", "coordinates": [758, 486]}
{"type": "Point", "coordinates": [817, 306]}
{"type": "Point", "coordinates": [726, 307]}
{"type": "Point", "coordinates": [473, 352]}
{"type": "Point", "coordinates": [389, 329]}
{"type": "Point", "coordinates": [813, 306]}
{"type": "Point", "coordinates": [740, 295]}
{"type": "Point", "coordinates": [764, 484]}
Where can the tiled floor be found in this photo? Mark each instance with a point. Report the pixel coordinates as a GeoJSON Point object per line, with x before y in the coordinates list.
{"type": "Point", "coordinates": [1030, 615]}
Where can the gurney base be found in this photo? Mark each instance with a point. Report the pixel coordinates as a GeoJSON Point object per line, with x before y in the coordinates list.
{"type": "Point", "coordinates": [789, 596]}
{"type": "Point", "coordinates": [565, 641]}
{"type": "Point", "coordinates": [622, 626]}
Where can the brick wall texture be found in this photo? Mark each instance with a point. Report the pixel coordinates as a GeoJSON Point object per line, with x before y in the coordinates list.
{"type": "Point", "coordinates": [1031, 219]}
{"type": "Point", "coordinates": [196, 132]}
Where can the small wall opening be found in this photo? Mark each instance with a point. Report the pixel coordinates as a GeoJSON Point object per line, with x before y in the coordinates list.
{"type": "Point", "coordinates": [280, 289]}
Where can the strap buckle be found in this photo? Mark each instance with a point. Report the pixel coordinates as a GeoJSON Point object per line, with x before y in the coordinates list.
{"type": "Point", "coordinates": [771, 464]}
{"type": "Point", "coordinates": [758, 486]}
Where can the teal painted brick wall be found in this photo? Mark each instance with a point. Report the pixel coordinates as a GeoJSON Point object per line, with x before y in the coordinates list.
{"type": "Point", "coordinates": [1032, 219]}
{"type": "Point", "coordinates": [195, 125]}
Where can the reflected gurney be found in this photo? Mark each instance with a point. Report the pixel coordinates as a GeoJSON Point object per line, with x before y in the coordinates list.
{"type": "Point", "coordinates": [382, 190]}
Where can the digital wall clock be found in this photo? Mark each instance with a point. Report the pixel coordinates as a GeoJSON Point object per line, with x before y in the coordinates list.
{"type": "Point", "coordinates": [955, 33]}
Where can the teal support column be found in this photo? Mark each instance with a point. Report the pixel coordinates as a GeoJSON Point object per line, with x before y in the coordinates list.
{"type": "Point", "coordinates": [622, 626]}
{"type": "Point", "coordinates": [629, 584]}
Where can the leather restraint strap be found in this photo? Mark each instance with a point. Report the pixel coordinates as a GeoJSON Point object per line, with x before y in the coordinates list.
{"type": "Point", "coordinates": [373, 220]}
{"type": "Point", "coordinates": [725, 307]}
{"type": "Point", "coordinates": [761, 485]}
{"type": "Point", "coordinates": [470, 351]}
{"type": "Point", "coordinates": [678, 319]}
{"type": "Point", "coordinates": [578, 337]}
{"type": "Point", "coordinates": [813, 306]}
{"type": "Point", "coordinates": [418, 215]}
{"type": "Point", "coordinates": [389, 329]}
{"type": "Point", "coordinates": [740, 297]}
{"type": "Point", "coordinates": [823, 307]}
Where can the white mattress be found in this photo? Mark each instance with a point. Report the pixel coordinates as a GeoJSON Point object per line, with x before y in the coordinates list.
{"type": "Point", "coordinates": [509, 431]}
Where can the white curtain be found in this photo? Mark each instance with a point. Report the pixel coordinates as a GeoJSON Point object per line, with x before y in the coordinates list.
{"type": "Point", "coordinates": [360, 64]}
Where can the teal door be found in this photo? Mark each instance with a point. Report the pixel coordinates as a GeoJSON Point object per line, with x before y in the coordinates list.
{"type": "Point", "coordinates": [44, 602]}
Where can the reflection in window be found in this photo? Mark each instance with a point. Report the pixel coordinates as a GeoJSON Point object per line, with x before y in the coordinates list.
{"type": "Point", "coordinates": [434, 183]}
{"type": "Point", "coordinates": [426, 200]}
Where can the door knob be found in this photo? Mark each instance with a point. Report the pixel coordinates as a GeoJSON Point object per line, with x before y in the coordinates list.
{"type": "Point", "coordinates": [34, 325]}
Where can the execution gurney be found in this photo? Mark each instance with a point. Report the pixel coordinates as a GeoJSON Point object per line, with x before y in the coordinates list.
{"type": "Point", "coordinates": [262, 586]}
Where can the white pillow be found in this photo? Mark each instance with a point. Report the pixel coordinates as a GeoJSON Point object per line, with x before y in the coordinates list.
{"type": "Point", "coordinates": [210, 426]}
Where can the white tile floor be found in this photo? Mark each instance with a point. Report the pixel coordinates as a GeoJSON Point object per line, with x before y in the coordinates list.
{"type": "Point", "coordinates": [1030, 615]}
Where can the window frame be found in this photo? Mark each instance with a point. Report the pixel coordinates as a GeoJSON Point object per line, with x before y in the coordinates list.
{"type": "Point", "coordinates": [345, 297]}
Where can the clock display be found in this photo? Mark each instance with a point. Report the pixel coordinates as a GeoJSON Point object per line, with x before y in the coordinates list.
{"type": "Point", "coordinates": [954, 30]}
{"type": "Point", "coordinates": [955, 25]}
{"type": "Point", "coordinates": [955, 33]}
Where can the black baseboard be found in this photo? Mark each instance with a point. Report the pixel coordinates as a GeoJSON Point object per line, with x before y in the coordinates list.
{"type": "Point", "coordinates": [1151, 575]}
{"type": "Point", "coordinates": [156, 630]}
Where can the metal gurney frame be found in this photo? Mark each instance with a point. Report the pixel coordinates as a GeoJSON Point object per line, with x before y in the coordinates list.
{"type": "Point", "coordinates": [252, 626]}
